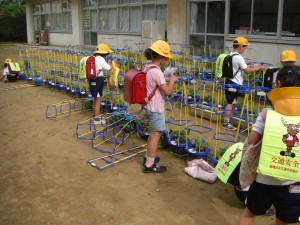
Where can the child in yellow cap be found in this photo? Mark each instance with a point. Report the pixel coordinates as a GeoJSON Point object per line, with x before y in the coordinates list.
{"type": "Point", "coordinates": [159, 53]}
{"type": "Point", "coordinates": [287, 58]}
{"type": "Point", "coordinates": [239, 66]}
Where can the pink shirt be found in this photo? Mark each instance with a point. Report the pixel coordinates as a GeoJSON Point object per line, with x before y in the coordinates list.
{"type": "Point", "coordinates": [155, 77]}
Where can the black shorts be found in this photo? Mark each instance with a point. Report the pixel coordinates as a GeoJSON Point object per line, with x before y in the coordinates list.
{"type": "Point", "coordinates": [96, 87]}
{"type": "Point", "coordinates": [231, 97]}
{"type": "Point", "coordinates": [287, 205]}
{"type": "Point", "coordinates": [12, 77]}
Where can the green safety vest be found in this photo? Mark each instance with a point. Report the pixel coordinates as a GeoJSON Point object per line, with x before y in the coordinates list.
{"type": "Point", "coordinates": [14, 67]}
{"type": "Point", "coordinates": [229, 161]}
{"type": "Point", "coordinates": [280, 152]}
{"type": "Point", "coordinates": [82, 68]}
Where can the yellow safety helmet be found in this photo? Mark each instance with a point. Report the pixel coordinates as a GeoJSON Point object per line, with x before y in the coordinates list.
{"type": "Point", "coordinates": [8, 60]}
{"type": "Point", "coordinates": [241, 41]}
{"type": "Point", "coordinates": [288, 56]}
{"type": "Point", "coordinates": [162, 48]}
{"type": "Point", "coordinates": [103, 49]}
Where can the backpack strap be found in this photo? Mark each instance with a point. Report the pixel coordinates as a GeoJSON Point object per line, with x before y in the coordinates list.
{"type": "Point", "coordinates": [237, 69]}
{"type": "Point", "coordinates": [148, 98]}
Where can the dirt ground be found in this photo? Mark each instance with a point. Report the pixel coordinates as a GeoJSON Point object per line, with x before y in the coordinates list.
{"type": "Point", "coordinates": [45, 179]}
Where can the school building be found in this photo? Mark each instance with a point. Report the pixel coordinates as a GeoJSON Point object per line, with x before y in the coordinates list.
{"type": "Point", "coordinates": [269, 25]}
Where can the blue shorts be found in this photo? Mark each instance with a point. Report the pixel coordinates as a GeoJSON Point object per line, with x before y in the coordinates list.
{"type": "Point", "coordinates": [156, 120]}
{"type": "Point", "coordinates": [261, 197]}
{"type": "Point", "coordinates": [231, 97]}
{"type": "Point", "coordinates": [96, 87]}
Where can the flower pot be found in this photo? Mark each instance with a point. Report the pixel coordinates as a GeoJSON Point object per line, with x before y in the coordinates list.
{"type": "Point", "coordinates": [214, 161]}
{"type": "Point", "coordinates": [29, 80]}
{"type": "Point", "coordinates": [106, 107]}
{"type": "Point", "coordinates": [180, 148]}
{"type": "Point", "coordinates": [193, 154]}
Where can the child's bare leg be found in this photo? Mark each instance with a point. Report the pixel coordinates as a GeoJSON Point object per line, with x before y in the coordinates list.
{"type": "Point", "coordinates": [246, 218]}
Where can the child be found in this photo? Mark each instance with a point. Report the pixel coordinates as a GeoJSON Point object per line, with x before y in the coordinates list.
{"type": "Point", "coordinates": [158, 53]}
{"type": "Point", "coordinates": [288, 58]}
{"type": "Point", "coordinates": [239, 65]}
{"type": "Point", "coordinates": [266, 190]}
{"type": "Point", "coordinates": [6, 75]}
{"type": "Point", "coordinates": [97, 85]}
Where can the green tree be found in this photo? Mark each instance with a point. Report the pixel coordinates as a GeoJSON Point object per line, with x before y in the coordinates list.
{"type": "Point", "coordinates": [12, 21]}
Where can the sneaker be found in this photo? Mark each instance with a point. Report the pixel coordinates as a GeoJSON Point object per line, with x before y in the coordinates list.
{"type": "Point", "coordinates": [99, 121]}
{"type": "Point", "coordinates": [154, 169]}
{"type": "Point", "coordinates": [156, 160]}
{"type": "Point", "coordinates": [228, 126]}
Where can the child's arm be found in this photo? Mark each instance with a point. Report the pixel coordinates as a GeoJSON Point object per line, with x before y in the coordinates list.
{"type": "Point", "coordinates": [254, 137]}
{"type": "Point", "coordinates": [258, 128]}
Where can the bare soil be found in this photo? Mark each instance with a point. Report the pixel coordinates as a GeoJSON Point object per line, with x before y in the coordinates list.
{"type": "Point", "coordinates": [45, 179]}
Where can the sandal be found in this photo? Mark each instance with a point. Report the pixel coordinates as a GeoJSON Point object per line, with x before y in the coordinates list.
{"type": "Point", "coordinates": [154, 169]}
{"type": "Point", "coordinates": [156, 160]}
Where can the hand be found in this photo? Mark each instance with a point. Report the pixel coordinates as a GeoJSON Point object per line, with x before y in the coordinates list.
{"type": "Point", "coordinates": [261, 67]}
{"type": "Point", "coordinates": [174, 78]}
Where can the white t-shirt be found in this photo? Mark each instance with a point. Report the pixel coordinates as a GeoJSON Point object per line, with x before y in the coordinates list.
{"type": "Point", "coordinates": [5, 71]}
{"type": "Point", "coordinates": [239, 64]}
{"type": "Point", "coordinates": [101, 65]}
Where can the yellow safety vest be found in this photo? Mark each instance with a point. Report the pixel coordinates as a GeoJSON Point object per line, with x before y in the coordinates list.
{"type": "Point", "coordinates": [280, 152]}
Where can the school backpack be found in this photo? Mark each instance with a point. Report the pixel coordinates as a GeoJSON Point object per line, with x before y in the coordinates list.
{"type": "Point", "coordinates": [135, 90]}
{"type": "Point", "coordinates": [267, 76]}
{"type": "Point", "coordinates": [224, 67]}
{"type": "Point", "coordinates": [82, 68]}
{"type": "Point", "coordinates": [90, 69]}
{"type": "Point", "coordinates": [13, 68]}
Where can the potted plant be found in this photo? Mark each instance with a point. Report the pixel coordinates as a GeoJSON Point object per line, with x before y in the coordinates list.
{"type": "Point", "coordinates": [106, 104]}
{"type": "Point", "coordinates": [192, 96]}
{"type": "Point", "coordinates": [199, 150]}
{"type": "Point", "coordinates": [142, 128]}
{"type": "Point", "coordinates": [179, 141]}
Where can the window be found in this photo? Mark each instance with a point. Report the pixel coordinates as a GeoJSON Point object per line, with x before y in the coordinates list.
{"type": "Point", "coordinates": [123, 16]}
{"type": "Point", "coordinates": [53, 16]}
{"type": "Point", "coordinates": [206, 23]}
{"type": "Point", "coordinates": [254, 17]}
{"type": "Point", "coordinates": [89, 3]}
{"type": "Point", "coordinates": [108, 19]}
{"type": "Point", "coordinates": [291, 18]}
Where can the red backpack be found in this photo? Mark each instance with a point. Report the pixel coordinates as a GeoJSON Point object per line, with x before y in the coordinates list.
{"type": "Point", "coordinates": [91, 72]}
{"type": "Point", "coordinates": [135, 90]}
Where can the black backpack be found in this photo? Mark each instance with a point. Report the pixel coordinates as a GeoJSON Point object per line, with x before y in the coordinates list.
{"type": "Point", "coordinates": [224, 67]}
{"type": "Point", "coordinates": [268, 75]}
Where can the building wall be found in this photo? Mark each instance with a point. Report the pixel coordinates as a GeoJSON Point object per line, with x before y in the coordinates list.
{"type": "Point", "coordinates": [259, 50]}
{"type": "Point", "coordinates": [29, 24]}
{"type": "Point", "coordinates": [61, 39]}
{"type": "Point", "coordinates": [177, 21]}
{"type": "Point", "coordinates": [77, 25]}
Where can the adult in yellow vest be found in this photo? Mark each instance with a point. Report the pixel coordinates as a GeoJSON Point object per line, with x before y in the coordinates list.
{"type": "Point", "coordinates": [268, 189]}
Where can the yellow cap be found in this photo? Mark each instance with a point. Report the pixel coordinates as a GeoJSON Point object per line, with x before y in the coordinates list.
{"type": "Point", "coordinates": [103, 49]}
{"type": "Point", "coordinates": [162, 48]}
{"type": "Point", "coordinates": [240, 41]}
{"type": "Point", "coordinates": [288, 56]}
{"type": "Point", "coordinates": [8, 60]}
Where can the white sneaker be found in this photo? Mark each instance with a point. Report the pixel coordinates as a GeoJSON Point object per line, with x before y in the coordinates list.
{"type": "Point", "coordinates": [99, 121]}
{"type": "Point", "coordinates": [228, 126]}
